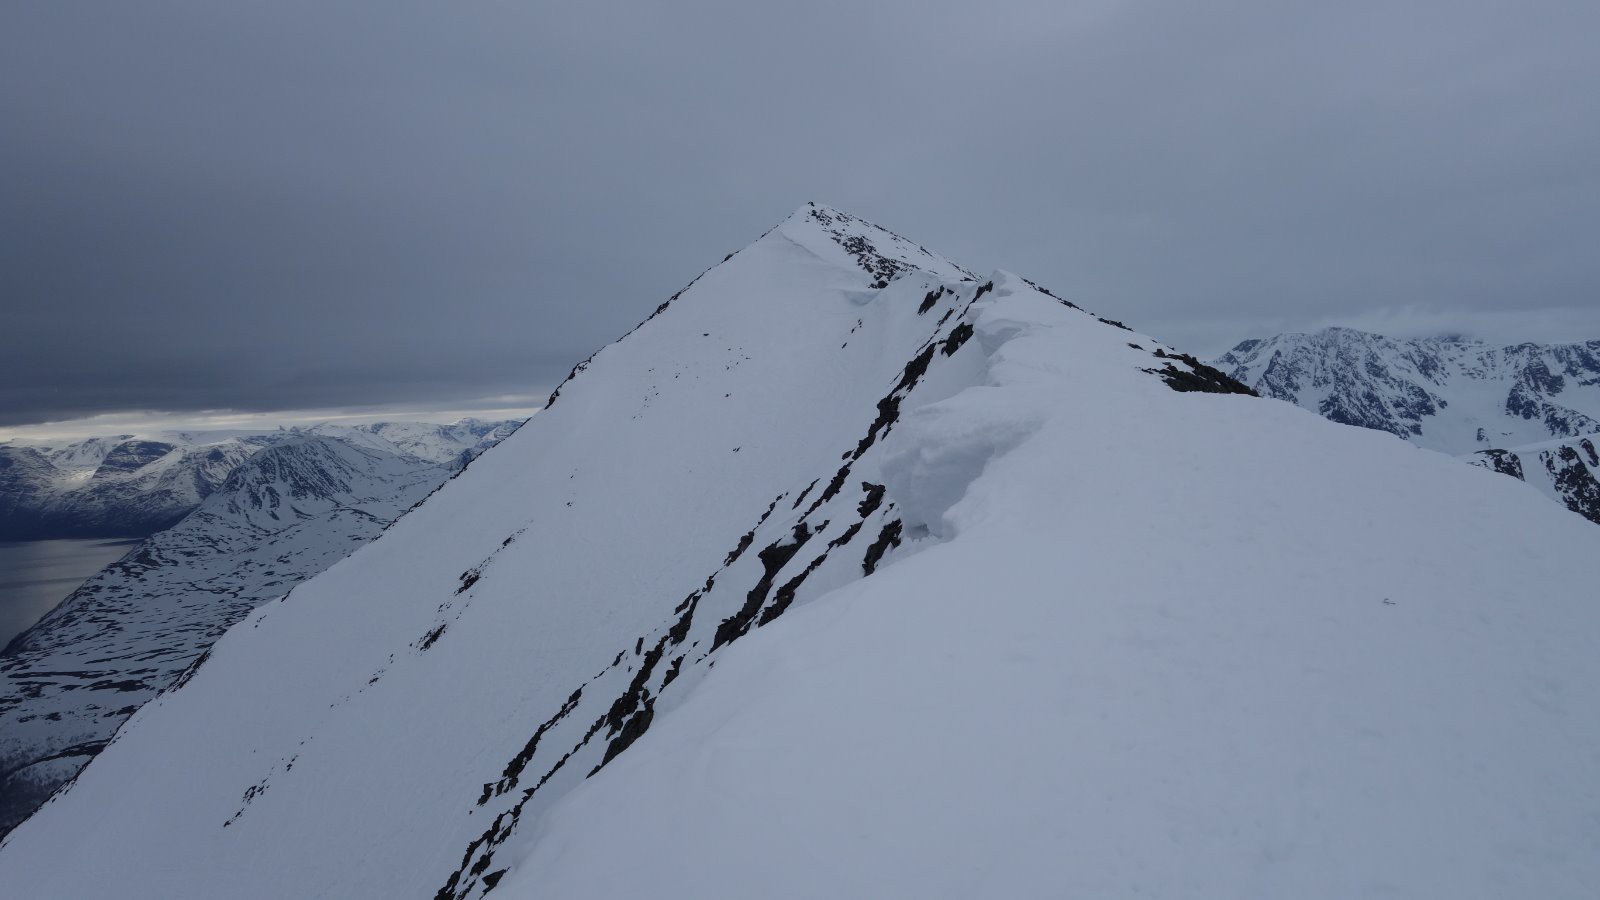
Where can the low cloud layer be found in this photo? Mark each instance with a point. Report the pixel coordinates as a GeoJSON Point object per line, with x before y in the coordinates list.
{"type": "Point", "coordinates": [307, 205]}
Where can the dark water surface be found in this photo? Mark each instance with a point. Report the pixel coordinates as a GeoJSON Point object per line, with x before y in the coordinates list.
{"type": "Point", "coordinates": [36, 575]}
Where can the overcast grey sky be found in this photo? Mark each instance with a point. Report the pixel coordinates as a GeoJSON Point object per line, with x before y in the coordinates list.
{"type": "Point", "coordinates": [301, 205]}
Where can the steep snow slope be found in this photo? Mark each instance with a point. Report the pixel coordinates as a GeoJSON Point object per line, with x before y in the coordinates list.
{"type": "Point", "coordinates": [1566, 471]}
{"type": "Point", "coordinates": [287, 513]}
{"type": "Point", "coordinates": [1447, 394]}
{"type": "Point", "coordinates": [1111, 636]}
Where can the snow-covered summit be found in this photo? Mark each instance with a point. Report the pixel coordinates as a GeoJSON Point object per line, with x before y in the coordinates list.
{"type": "Point", "coordinates": [1447, 393]}
{"type": "Point", "coordinates": [882, 254]}
{"type": "Point", "coordinates": [849, 574]}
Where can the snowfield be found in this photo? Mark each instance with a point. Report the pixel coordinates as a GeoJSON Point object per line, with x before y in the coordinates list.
{"type": "Point", "coordinates": [852, 574]}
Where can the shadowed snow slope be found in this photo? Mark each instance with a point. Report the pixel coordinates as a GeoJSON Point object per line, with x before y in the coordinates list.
{"type": "Point", "coordinates": [1002, 600]}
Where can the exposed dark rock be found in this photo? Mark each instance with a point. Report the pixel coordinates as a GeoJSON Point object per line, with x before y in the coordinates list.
{"type": "Point", "coordinates": [800, 499]}
{"type": "Point", "coordinates": [958, 336]}
{"type": "Point", "coordinates": [432, 636]}
{"type": "Point", "coordinates": [1505, 462]}
{"type": "Point", "coordinates": [673, 671]}
{"type": "Point", "coordinates": [888, 538]}
{"type": "Point", "coordinates": [773, 558]}
{"type": "Point", "coordinates": [1199, 376]}
{"type": "Point", "coordinates": [513, 769]}
{"type": "Point", "coordinates": [1575, 482]}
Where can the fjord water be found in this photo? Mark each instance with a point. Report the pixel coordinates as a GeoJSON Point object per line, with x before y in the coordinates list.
{"type": "Point", "coordinates": [36, 575]}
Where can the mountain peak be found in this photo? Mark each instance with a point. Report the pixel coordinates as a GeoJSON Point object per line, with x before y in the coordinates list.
{"type": "Point", "coordinates": [1344, 332]}
{"type": "Point", "coordinates": [850, 240]}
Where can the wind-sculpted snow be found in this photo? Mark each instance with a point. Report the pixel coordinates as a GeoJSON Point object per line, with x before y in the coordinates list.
{"type": "Point", "coordinates": [848, 573]}
{"type": "Point", "coordinates": [68, 682]}
{"type": "Point", "coordinates": [1448, 394]}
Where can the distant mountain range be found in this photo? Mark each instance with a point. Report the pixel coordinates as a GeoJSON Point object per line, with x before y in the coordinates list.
{"type": "Point", "coordinates": [299, 502]}
{"type": "Point", "coordinates": [1531, 411]}
{"type": "Point", "coordinates": [135, 485]}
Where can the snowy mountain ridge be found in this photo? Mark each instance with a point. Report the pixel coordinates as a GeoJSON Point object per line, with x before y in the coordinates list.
{"type": "Point", "coordinates": [109, 488]}
{"type": "Point", "coordinates": [847, 555]}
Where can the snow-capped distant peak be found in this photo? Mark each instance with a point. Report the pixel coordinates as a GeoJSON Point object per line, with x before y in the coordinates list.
{"type": "Point", "coordinates": [422, 440]}
{"type": "Point", "coordinates": [135, 485]}
{"type": "Point", "coordinates": [1446, 393]}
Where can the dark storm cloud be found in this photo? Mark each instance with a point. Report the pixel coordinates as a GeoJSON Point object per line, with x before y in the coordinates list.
{"type": "Point", "coordinates": [268, 206]}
